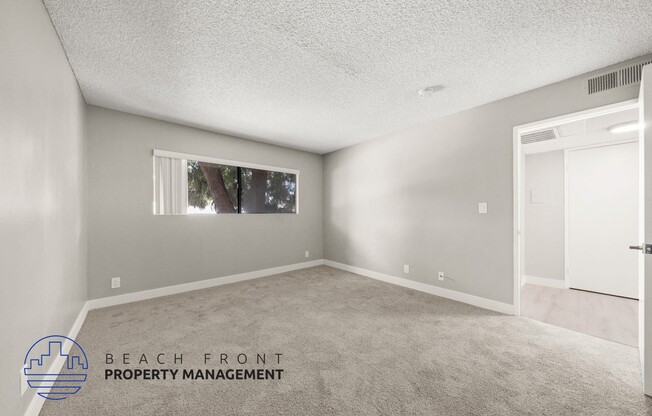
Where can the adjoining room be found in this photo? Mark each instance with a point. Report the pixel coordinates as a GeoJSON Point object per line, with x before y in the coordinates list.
{"type": "Point", "coordinates": [325, 208]}
{"type": "Point", "coordinates": [580, 209]}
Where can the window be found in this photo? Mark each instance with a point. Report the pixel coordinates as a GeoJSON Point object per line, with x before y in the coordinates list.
{"type": "Point", "coordinates": [267, 191]}
{"type": "Point", "coordinates": [187, 184]}
{"type": "Point", "coordinates": [212, 188]}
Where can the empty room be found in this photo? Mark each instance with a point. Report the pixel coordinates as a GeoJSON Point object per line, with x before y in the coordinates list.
{"type": "Point", "coordinates": [325, 208]}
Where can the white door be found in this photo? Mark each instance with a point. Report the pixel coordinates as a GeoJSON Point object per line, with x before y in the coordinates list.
{"type": "Point", "coordinates": [602, 203]}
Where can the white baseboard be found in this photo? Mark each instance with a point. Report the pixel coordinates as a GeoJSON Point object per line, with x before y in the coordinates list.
{"type": "Point", "coordinates": [543, 281]}
{"type": "Point", "coordinates": [423, 287]}
{"type": "Point", "coordinates": [37, 401]}
{"type": "Point", "coordinates": [202, 284]}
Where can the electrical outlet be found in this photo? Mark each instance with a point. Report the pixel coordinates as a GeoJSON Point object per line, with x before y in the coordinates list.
{"type": "Point", "coordinates": [406, 268]}
{"type": "Point", "coordinates": [115, 282]}
{"type": "Point", "coordinates": [440, 275]}
{"type": "Point", "coordinates": [23, 382]}
{"type": "Point", "coordinates": [482, 208]}
{"type": "Point", "coordinates": [307, 254]}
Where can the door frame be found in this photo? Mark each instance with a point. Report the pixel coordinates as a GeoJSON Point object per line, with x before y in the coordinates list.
{"type": "Point", "coordinates": [518, 183]}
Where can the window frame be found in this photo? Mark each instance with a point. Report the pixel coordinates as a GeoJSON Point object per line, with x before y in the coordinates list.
{"type": "Point", "coordinates": [237, 164]}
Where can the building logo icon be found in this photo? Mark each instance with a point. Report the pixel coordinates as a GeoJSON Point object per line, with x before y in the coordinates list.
{"type": "Point", "coordinates": [48, 353]}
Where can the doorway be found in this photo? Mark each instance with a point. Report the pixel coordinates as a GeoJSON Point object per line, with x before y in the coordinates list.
{"type": "Point", "coordinates": [577, 204]}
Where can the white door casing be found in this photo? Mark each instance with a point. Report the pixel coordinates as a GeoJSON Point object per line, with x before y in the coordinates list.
{"type": "Point", "coordinates": [645, 316]}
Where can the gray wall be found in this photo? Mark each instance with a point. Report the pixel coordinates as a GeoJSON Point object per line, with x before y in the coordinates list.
{"type": "Point", "coordinates": [412, 197]}
{"type": "Point", "coordinates": [42, 191]}
{"type": "Point", "coordinates": [149, 251]}
{"type": "Point", "coordinates": [544, 220]}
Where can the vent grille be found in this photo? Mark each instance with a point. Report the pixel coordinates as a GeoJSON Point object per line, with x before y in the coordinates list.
{"type": "Point", "coordinates": [539, 136]}
{"type": "Point", "coordinates": [619, 78]}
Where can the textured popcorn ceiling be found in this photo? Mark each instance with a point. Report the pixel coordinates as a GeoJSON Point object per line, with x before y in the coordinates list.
{"type": "Point", "coordinates": [322, 75]}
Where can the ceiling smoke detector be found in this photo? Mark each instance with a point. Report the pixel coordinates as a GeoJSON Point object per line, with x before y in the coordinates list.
{"type": "Point", "coordinates": [428, 91]}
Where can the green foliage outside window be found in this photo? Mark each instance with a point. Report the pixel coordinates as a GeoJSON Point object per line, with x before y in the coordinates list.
{"type": "Point", "coordinates": [261, 191]}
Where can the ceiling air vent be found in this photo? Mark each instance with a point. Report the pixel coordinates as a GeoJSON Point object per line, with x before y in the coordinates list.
{"type": "Point", "coordinates": [621, 77]}
{"type": "Point", "coordinates": [540, 136]}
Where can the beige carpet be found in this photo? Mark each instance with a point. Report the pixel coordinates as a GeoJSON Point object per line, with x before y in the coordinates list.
{"type": "Point", "coordinates": [351, 345]}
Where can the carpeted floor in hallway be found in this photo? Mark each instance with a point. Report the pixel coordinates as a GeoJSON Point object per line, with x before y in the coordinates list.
{"type": "Point", "coordinates": [349, 345]}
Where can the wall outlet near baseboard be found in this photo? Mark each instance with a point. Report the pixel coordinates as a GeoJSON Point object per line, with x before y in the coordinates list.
{"type": "Point", "coordinates": [307, 254]}
{"type": "Point", "coordinates": [406, 268]}
{"type": "Point", "coordinates": [440, 275]}
{"type": "Point", "coordinates": [115, 282]}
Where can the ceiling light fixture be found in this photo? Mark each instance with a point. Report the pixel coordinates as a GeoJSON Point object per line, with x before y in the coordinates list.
{"type": "Point", "coordinates": [428, 91]}
{"type": "Point", "coordinates": [624, 127]}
